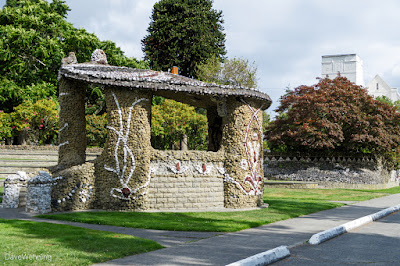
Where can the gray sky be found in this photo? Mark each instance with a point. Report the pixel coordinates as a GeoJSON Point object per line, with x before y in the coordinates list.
{"type": "Point", "coordinates": [285, 38]}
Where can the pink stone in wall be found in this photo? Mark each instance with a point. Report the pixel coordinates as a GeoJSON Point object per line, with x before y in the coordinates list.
{"type": "Point", "coordinates": [204, 167]}
{"type": "Point", "coordinates": [126, 192]}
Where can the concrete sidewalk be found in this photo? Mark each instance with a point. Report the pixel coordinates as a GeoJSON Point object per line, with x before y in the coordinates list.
{"type": "Point", "coordinates": [231, 247]}
{"type": "Point", "coordinates": [197, 248]}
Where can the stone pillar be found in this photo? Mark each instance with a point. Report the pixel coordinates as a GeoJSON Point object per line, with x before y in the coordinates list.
{"type": "Point", "coordinates": [242, 144]}
{"type": "Point", "coordinates": [12, 189]}
{"type": "Point", "coordinates": [72, 132]}
{"type": "Point", "coordinates": [123, 170]}
{"type": "Point", "coordinates": [38, 193]}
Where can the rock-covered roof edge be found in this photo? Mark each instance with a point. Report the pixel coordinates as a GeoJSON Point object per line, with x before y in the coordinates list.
{"type": "Point", "coordinates": [192, 87]}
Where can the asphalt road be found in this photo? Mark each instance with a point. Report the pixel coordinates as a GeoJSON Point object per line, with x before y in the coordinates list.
{"type": "Point", "coordinates": [377, 243]}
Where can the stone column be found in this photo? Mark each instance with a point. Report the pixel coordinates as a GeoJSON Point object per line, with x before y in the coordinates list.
{"type": "Point", "coordinates": [72, 132]}
{"type": "Point", "coordinates": [12, 189]}
{"type": "Point", "coordinates": [38, 193]}
{"type": "Point", "coordinates": [123, 169]}
{"type": "Point", "coordinates": [242, 144]}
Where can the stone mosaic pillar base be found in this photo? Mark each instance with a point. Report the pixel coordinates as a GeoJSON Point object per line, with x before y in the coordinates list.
{"type": "Point", "coordinates": [242, 144]}
{"type": "Point", "coordinates": [123, 170]}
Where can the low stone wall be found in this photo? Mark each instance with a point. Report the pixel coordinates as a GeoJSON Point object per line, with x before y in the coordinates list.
{"type": "Point", "coordinates": [190, 192]}
{"type": "Point", "coordinates": [185, 180]}
{"type": "Point", "coordinates": [341, 172]}
{"type": "Point", "coordinates": [73, 188]}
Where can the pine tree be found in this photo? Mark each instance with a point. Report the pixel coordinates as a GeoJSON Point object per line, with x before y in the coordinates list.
{"type": "Point", "coordinates": [183, 33]}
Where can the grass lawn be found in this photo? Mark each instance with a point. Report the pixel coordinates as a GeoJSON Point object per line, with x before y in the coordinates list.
{"type": "Point", "coordinates": [25, 242]}
{"type": "Point", "coordinates": [283, 204]}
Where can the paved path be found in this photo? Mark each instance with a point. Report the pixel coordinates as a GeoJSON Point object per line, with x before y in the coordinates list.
{"type": "Point", "coordinates": [222, 249]}
{"type": "Point", "coordinates": [374, 244]}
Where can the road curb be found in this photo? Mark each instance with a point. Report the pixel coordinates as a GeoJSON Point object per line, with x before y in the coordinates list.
{"type": "Point", "coordinates": [264, 258]}
{"type": "Point", "coordinates": [341, 229]}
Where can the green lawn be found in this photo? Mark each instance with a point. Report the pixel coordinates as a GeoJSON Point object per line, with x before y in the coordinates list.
{"type": "Point", "coordinates": [25, 242]}
{"type": "Point", "coordinates": [328, 194]}
{"type": "Point", "coordinates": [283, 204]}
{"type": "Point", "coordinates": [280, 209]}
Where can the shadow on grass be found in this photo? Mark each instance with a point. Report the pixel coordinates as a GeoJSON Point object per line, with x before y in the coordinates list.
{"type": "Point", "coordinates": [68, 245]}
{"type": "Point", "coordinates": [200, 221]}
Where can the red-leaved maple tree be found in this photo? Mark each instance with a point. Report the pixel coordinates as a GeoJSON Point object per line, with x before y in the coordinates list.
{"type": "Point", "coordinates": [334, 116]}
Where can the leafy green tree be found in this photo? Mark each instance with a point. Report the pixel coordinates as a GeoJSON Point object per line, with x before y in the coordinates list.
{"type": "Point", "coordinates": [171, 121]}
{"type": "Point", "coordinates": [386, 100]}
{"type": "Point", "coordinates": [35, 36]}
{"type": "Point", "coordinates": [183, 33]}
{"type": "Point", "coordinates": [236, 71]}
{"type": "Point", "coordinates": [334, 116]}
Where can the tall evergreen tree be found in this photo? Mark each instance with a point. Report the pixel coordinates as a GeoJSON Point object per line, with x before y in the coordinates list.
{"type": "Point", "coordinates": [183, 33]}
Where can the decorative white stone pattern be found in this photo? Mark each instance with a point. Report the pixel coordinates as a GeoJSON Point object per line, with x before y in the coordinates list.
{"type": "Point", "coordinates": [64, 127]}
{"type": "Point", "coordinates": [178, 168]}
{"type": "Point", "coordinates": [252, 143]}
{"type": "Point", "coordinates": [204, 168]}
{"type": "Point", "coordinates": [84, 194]}
{"type": "Point", "coordinates": [124, 192]}
{"type": "Point", "coordinates": [64, 143]}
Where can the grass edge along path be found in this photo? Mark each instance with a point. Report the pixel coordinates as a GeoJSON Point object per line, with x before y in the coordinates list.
{"type": "Point", "coordinates": [199, 221]}
{"type": "Point", "coordinates": [28, 242]}
{"type": "Point", "coordinates": [283, 204]}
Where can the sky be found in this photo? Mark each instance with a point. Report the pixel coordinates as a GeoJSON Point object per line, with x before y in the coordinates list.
{"type": "Point", "coordinates": [284, 38]}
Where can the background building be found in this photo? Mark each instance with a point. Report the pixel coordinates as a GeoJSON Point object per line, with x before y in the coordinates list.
{"type": "Point", "coordinates": [348, 65]}
{"type": "Point", "coordinates": [378, 87]}
{"type": "Point", "coordinates": [351, 67]}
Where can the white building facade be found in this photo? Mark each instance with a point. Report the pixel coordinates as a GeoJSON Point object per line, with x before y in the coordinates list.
{"type": "Point", "coordinates": [351, 67]}
{"type": "Point", "coordinates": [348, 65]}
{"type": "Point", "coordinates": [378, 87]}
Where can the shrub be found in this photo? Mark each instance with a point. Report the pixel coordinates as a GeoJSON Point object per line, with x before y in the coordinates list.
{"type": "Point", "coordinates": [5, 126]}
{"type": "Point", "coordinates": [39, 121]}
{"type": "Point", "coordinates": [171, 121]}
{"type": "Point", "coordinates": [96, 132]}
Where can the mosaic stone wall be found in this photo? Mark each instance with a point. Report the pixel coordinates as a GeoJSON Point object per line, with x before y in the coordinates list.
{"type": "Point", "coordinates": [123, 169]}
{"type": "Point", "coordinates": [242, 144]}
{"type": "Point", "coordinates": [186, 180]}
{"type": "Point", "coordinates": [130, 174]}
{"type": "Point", "coordinates": [346, 172]}
{"type": "Point", "coordinates": [72, 132]}
{"type": "Point", "coordinates": [74, 188]}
